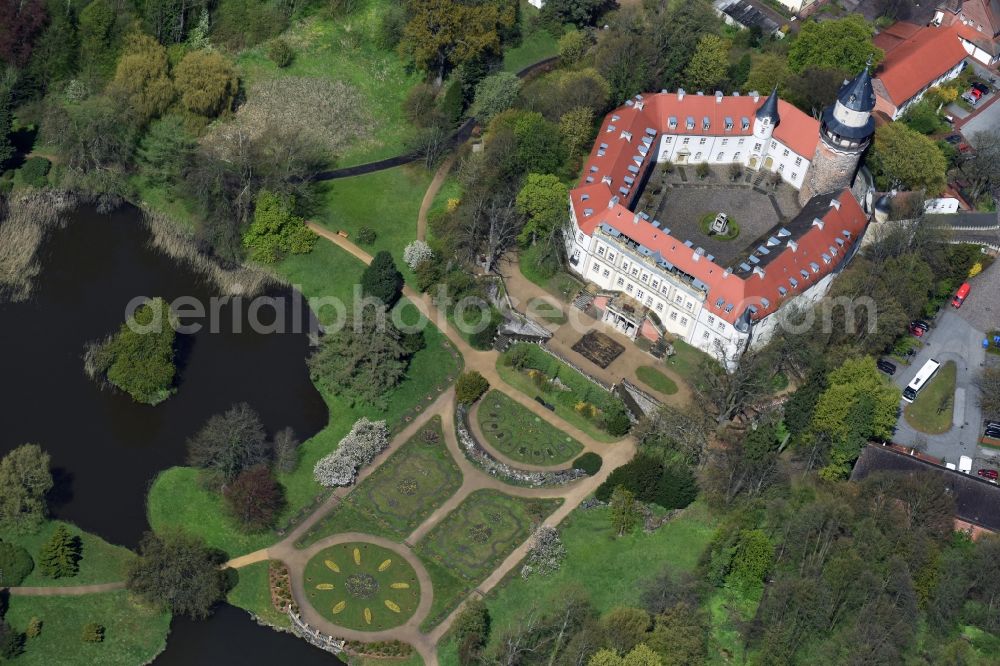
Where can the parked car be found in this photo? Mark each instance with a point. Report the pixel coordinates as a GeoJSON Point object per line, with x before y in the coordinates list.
{"type": "Point", "coordinates": [991, 474]}
{"type": "Point", "coordinates": [981, 87]}
{"type": "Point", "coordinates": [953, 138]}
{"type": "Point", "coordinates": [949, 119]}
{"type": "Point", "coordinates": [917, 330]}
{"type": "Point", "coordinates": [972, 96]}
{"type": "Point", "coordinates": [993, 433]}
{"type": "Point", "coordinates": [886, 367]}
{"type": "Point", "coordinates": [991, 424]}
{"type": "Point", "coordinates": [920, 323]}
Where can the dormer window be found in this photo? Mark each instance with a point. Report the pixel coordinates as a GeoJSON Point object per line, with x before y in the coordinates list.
{"type": "Point", "coordinates": [672, 122]}
{"type": "Point", "coordinates": [611, 128]}
{"type": "Point", "coordinates": [745, 123]}
{"type": "Point", "coordinates": [705, 123]}
{"type": "Point", "coordinates": [794, 283]}
{"type": "Point", "coordinates": [690, 122]}
{"type": "Point", "coordinates": [766, 303]}
{"type": "Point", "coordinates": [814, 266]}
{"type": "Point", "coordinates": [782, 292]}
{"type": "Point", "coordinates": [729, 123]}
{"type": "Point", "coordinates": [804, 274]}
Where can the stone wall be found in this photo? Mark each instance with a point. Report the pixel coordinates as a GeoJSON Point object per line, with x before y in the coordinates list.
{"type": "Point", "coordinates": [830, 171]}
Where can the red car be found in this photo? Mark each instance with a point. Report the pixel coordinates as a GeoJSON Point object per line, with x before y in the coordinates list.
{"type": "Point", "coordinates": [917, 330]}
{"type": "Point", "coordinates": [990, 474]}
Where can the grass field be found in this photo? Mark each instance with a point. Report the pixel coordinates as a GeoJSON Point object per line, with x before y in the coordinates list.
{"type": "Point", "coordinates": [581, 389]}
{"type": "Point", "coordinates": [253, 593]}
{"type": "Point", "coordinates": [386, 201]}
{"type": "Point", "coordinates": [656, 380]}
{"type": "Point", "coordinates": [536, 43]}
{"type": "Point", "coordinates": [562, 285]}
{"type": "Point", "coordinates": [344, 49]}
{"type": "Point", "coordinates": [687, 362]}
{"type": "Point", "coordinates": [473, 540]}
{"type": "Point", "coordinates": [176, 500]}
{"type": "Point", "coordinates": [400, 494]}
{"type": "Point", "coordinates": [520, 435]}
{"type": "Point", "coordinates": [932, 411]}
{"type": "Point", "coordinates": [362, 586]}
{"type": "Point", "coordinates": [610, 570]}
{"type": "Point", "coordinates": [100, 561]}
{"type": "Point", "coordinates": [133, 634]}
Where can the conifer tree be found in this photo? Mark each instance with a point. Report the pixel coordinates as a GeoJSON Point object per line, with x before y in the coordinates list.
{"type": "Point", "coordinates": [60, 555]}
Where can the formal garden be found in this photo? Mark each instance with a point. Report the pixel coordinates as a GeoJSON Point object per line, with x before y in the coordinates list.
{"type": "Point", "coordinates": [398, 496]}
{"type": "Point", "coordinates": [520, 435]}
{"type": "Point", "coordinates": [473, 540]}
{"type": "Point", "coordinates": [362, 586]}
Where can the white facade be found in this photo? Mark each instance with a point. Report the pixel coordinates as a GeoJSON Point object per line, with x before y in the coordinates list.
{"type": "Point", "coordinates": [749, 151]}
{"type": "Point", "coordinates": [537, 3]}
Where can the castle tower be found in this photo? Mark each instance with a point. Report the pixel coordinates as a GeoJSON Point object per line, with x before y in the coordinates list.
{"type": "Point", "coordinates": [845, 131]}
{"type": "Point", "coordinates": [766, 117]}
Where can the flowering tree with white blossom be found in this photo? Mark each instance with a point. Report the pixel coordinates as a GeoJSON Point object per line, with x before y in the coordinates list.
{"type": "Point", "coordinates": [358, 448]}
{"type": "Point", "coordinates": [417, 253]}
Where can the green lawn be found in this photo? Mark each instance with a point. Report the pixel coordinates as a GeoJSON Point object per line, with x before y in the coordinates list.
{"type": "Point", "coordinates": [253, 593]}
{"type": "Point", "coordinates": [386, 201]}
{"type": "Point", "coordinates": [345, 49]}
{"type": "Point", "coordinates": [561, 284]}
{"type": "Point", "coordinates": [932, 411]}
{"type": "Point", "coordinates": [520, 435]}
{"type": "Point", "coordinates": [656, 380]}
{"type": "Point", "coordinates": [400, 494]}
{"type": "Point", "coordinates": [133, 634]}
{"type": "Point", "coordinates": [536, 45]}
{"type": "Point", "coordinates": [581, 389]}
{"type": "Point", "coordinates": [362, 586]}
{"type": "Point", "coordinates": [687, 362]}
{"type": "Point", "coordinates": [611, 570]}
{"type": "Point", "coordinates": [100, 561]}
{"type": "Point", "coordinates": [473, 540]}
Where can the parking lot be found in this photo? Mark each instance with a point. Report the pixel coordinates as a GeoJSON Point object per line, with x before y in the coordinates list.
{"type": "Point", "coordinates": [950, 338]}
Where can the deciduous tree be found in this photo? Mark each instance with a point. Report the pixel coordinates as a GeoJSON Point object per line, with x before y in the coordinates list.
{"type": "Point", "coordinates": [624, 514]}
{"type": "Point", "coordinates": [709, 64]}
{"type": "Point", "coordinates": [25, 479]}
{"type": "Point", "coordinates": [276, 230]}
{"type": "Point", "coordinates": [206, 82]}
{"type": "Point", "coordinates": [844, 44]}
{"type": "Point", "coordinates": [494, 94]}
{"type": "Point", "coordinates": [768, 70]}
{"type": "Point", "coordinates": [229, 443]}
{"type": "Point", "coordinates": [542, 200]}
{"type": "Point", "coordinates": [177, 572]}
{"type": "Point", "coordinates": [902, 157]}
{"type": "Point", "coordinates": [254, 499]}
{"type": "Point", "coordinates": [141, 77]}
{"type": "Point", "coordinates": [470, 387]}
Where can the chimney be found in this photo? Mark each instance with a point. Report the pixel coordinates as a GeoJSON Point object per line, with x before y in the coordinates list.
{"type": "Point", "coordinates": [639, 104]}
{"type": "Point", "coordinates": [755, 95]}
{"type": "Point", "coordinates": [835, 203]}
{"type": "Point", "coordinates": [759, 272]}
{"type": "Point", "coordinates": [726, 273]}
{"type": "Point", "coordinates": [680, 94]}
{"type": "Point", "coordinates": [635, 218]}
{"type": "Point", "coordinates": [718, 96]}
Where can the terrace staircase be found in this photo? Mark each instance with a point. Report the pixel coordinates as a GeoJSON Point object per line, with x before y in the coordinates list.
{"type": "Point", "coordinates": [759, 178]}
{"type": "Point", "coordinates": [584, 300]}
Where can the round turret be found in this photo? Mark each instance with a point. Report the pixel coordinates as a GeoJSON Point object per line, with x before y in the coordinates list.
{"type": "Point", "coordinates": [847, 126]}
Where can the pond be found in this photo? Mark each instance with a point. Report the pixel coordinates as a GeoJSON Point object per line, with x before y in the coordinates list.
{"type": "Point", "coordinates": [106, 449]}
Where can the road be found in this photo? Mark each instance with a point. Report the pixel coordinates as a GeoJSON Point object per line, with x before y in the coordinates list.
{"type": "Point", "coordinates": [951, 339]}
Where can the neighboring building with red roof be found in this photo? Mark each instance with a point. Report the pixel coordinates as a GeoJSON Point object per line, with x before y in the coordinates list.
{"type": "Point", "coordinates": [710, 305]}
{"type": "Point", "coordinates": [978, 26]}
{"type": "Point", "coordinates": [917, 58]}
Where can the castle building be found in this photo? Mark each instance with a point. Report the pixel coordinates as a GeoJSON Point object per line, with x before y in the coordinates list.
{"type": "Point", "coordinates": [978, 26]}
{"type": "Point", "coordinates": [718, 308]}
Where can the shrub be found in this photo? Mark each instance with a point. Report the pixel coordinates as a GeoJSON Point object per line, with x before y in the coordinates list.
{"type": "Point", "coordinates": [93, 632]}
{"type": "Point", "coordinates": [420, 105]}
{"type": "Point", "coordinates": [11, 641]}
{"type": "Point", "coordinates": [701, 170]}
{"type": "Point", "coordinates": [670, 486]}
{"type": "Point", "coordinates": [34, 629]}
{"type": "Point", "coordinates": [546, 554]}
{"type": "Point", "coordinates": [206, 82]}
{"type": "Point", "coordinates": [417, 254]}
{"type": "Point", "coordinates": [280, 53]}
{"type": "Point", "coordinates": [589, 462]}
{"type": "Point", "coordinates": [365, 441]}
{"type": "Point", "coordinates": [470, 387]}
{"type": "Point", "coordinates": [616, 420]}
{"type": "Point", "coordinates": [472, 630]}
{"type": "Point", "coordinates": [483, 338]}
{"type": "Point", "coordinates": [15, 564]}
{"type": "Point", "coordinates": [382, 280]}
{"type": "Point", "coordinates": [35, 172]}
{"type": "Point", "coordinates": [367, 236]}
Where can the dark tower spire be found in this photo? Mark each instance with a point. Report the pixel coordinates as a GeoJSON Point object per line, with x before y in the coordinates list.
{"type": "Point", "coordinates": [769, 109]}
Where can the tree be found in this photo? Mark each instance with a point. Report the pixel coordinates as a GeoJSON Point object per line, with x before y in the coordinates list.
{"type": "Point", "coordinates": [709, 64]}
{"type": "Point", "coordinates": [275, 230]}
{"type": "Point", "coordinates": [15, 565]}
{"type": "Point", "coordinates": [752, 560]}
{"type": "Point", "coordinates": [680, 635]}
{"type": "Point", "coordinates": [472, 631]}
{"type": "Point", "coordinates": [470, 387]}
{"type": "Point", "coordinates": [442, 34]}
{"type": "Point", "coordinates": [768, 70]}
{"type": "Point", "coordinates": [254, 499]}
{"type": "Point", "coordinates": [358, 448]}
{"type": "Point", "coordinates": [6, 122]}
{"type": "Point", "coordinates": [54, 58]}
{"type": "Point", "coordinates": [902, 157]}
{"type": "Point", "coordinates": [494, 94]}
{"type": "Point", "coordinates": [25, 480]}
{"type": "Point", "coordinates": [20, 23]}
{"type": "Point", "coordinates": [416, 253]}
{"type": "Point", "coordinates": [178, 573]}
{"type": "Point", "coordinates": [139, 358]}
{"type": "Point", "coordinates": [641, 655]}
{"type": "Point", "coordinates": [576, 127]}
{"type": "Point", "coordinates": [286, 450]}
{"type": "Point", "coordinates": [141, 77]}
{"type": "Point", "coordinates": [382, 280]}
{"type": "Point", "coordinates": [363, 361]}
{"type": "Point", "coordinates": [626, 60]}
{"type": "Point", "coordinates": [166, 151]}
{"type": "Point", "coordinates": [988, 383]}
{"type": "Point", "coordinates": [624, 515]}
{"type": "Point", "coordinates": [983, 167]}
{"type": "Point", "coordinates": [543, 201]}
{"type": "Point", "coordinates": [572, 46]}
{"type": "Point", "coordinates": [60, 554]}
{"type": "Point", "coordinates": [845, 44]}
{"type": "Point", "coordinates": [923, 117]}
{"type": "Point", "coordinates": [732, 392]}
{"type": "Point", "coordinates": [98, 39]}
{"type": "Point", "coordinates": [675, 431]}
{"type": "Point", "coordinates": [229, 443]}
{"type": "Point", "coordinates": [206, 83]}
{"type": "Point", "coordinates": [625, 627]}
{"type": "Point", "coordinates": [580, 13]}
{"type": "Point", "coordinates": [92, 633]}
{"type": "Point", "coordinates": [11, 641]}
{"type": "Point", "coordinates": [815, 89]}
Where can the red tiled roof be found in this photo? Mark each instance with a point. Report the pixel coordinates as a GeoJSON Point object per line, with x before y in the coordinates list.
{"type": "Point", "coordinates": [915, 56]}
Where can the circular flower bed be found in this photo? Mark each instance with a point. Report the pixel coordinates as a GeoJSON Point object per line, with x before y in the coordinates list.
{"type": "Point", "coordinates": [407, 486]}
{"type": "Point", "coordinates": [706, 225]}
{"type": "Point", "coordinates": [362, 586]}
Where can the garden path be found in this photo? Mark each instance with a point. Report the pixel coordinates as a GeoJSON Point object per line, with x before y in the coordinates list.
{"type": "Point", "coordinates": [425, 205]}
{"type": "Point", "coordinates": [65, 590]}
{"type": "Point", "coordinates": [478, 432]}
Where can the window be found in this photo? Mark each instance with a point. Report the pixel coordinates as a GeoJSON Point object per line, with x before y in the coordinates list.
{"type": "Point", "coordinates": [718, 158]}
{"type": "Point", "coordinates": [649, 302]}
{"type": "Point", "coordinates": [628, 287]}
{"type": "Point", "coordinates": [711, 320]}
{"type": "Point", "coordinates": [756, 146]}
{"type": "Point", "coordinates": [611, 256]}
{"type": "Point", "coordinates": [668, 139]}
{"type": "Point", "coordinates": [596, 267]}
{"type": "Point", "coordinates": [798, 161]}
{"type": "Point", "coordinates": [701, 142]}
{"type": "Point", "coordinates": [689, 305]}
{"type": "Point", "coordinates": [705, 335]}
{"type": "Point", "coordinates": [679, 299]}
{"type": "Point", "coordinates": [656, 284]}
{"type": "Point", "coordinates": [600, 251]}
{"type": "Point", "coordinates": [686, 141]}
{"type": "Point", "coordinates": [663, 289]}
{"type": "Point", "coordinates": [659, 307]}
{"type": "Point", "coordinates": [684, 321]}
{"type": "Point", "coordinates": [785, 153]}
{"type": "Point", "coordinates": [722, 326]}
{"type": "Point", "coordinates": [580, 236]}
{"type": "Point", "coordinates": [774, 145]}
{"type": "Point", "coordinates": [620, 282]}
{"type": "Point", "coordinates": [639, 294]}
{"type": "Point", "coordinates": [635, 271]}
{"type": "Point", "coordinates": [605, 273]}
{"type": "Point", "coordinates": [736, 156]}
{"type": "Point", "coordinates": [673, 316]}
{"type": "Point", "coordinates": [725, 141]}
{"type": "Point", "coordinates": [698, 156]}
{"type": "Point", "coordinates": [741, 141]}
{"type": "Point", "coordinates": [794, 175]}
{"type": "Point", "coordinates": [645, 277]}
{"type": "Point", "coordinates": [781, 168]}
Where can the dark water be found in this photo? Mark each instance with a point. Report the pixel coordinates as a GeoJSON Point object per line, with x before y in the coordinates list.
{"type": "Point", "coordinates": [106, 449]}
{"type": "Point", "coordinates": [230, 637]}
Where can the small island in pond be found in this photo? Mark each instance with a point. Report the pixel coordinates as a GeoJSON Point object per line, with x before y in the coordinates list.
{"type": "Point", "coordinates": [139, 358]}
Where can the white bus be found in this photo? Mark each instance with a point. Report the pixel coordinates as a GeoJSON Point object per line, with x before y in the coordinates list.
{"type": "Point", "coordinates": [924, 376]}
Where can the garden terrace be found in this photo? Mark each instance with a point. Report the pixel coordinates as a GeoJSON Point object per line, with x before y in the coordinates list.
{"type": "Point", "coordinates": [520, 435]}
{"type": "Point", "coordinates": [400, 494]}
{"type": "Point", "coordinates": [598, 348]}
